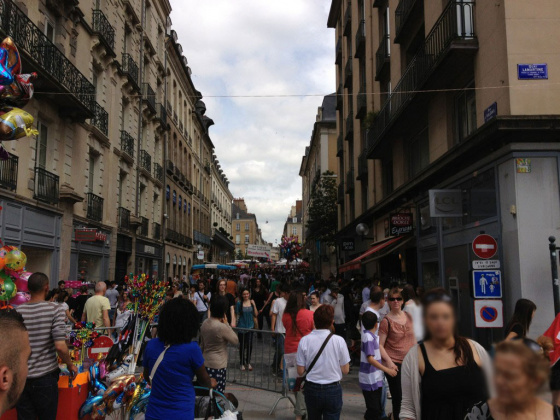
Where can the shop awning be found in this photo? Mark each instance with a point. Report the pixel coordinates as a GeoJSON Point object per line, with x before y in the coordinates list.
{"type": "Point", "coordinates": [356, 263]}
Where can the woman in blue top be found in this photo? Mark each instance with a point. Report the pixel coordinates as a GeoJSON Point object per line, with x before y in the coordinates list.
{"type": "Point", "coordinates": [246, 310]}
{"type": "Point", "coordinates": [173, 396]}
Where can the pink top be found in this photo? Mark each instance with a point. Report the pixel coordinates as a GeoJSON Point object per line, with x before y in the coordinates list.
{"type": "Point", "coordinates": [400, 338]}
{"type": "Point", "coordinates": [305, 325]}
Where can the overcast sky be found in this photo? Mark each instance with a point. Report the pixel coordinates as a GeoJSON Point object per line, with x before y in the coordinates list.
{"type": "Point", "coordinates": [259, 47]}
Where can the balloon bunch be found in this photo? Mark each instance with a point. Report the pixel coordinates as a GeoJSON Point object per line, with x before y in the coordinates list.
{"type": "Point", "coordinates": [13, 276]}
{"type": "Point", "coordinates": [291, 247]}
{"type": "Point", "coordinates": [82, 336]}
{"type": "Point", "coordinates": [135, 284]}
{"type": "Point", "coordinates": [125, 392]}
{"type": "Point", "coordinates": [16, 90]}
{"type": "Point", "coordinates": [151, 298]}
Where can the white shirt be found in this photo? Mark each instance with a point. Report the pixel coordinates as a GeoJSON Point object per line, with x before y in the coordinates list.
{"type": "Point", "coordinates": [338, 304]}
{"type": "Point", "coordinates": [201, 304]}
{"type": "Point", "coordinates": [327, 369]}
{"type": "Point", "coordinates": [278, 308]}
{"type": "Point", "coordinates": [415, 312]}
{"type": "Point", "coordinates": [368, 309]}
{"type": "Point", "coordinates": [113, 296]}
{"type": "Point", "coordinates": [365, 294]}
{"type": "Point", "coordinates": [326, 297]}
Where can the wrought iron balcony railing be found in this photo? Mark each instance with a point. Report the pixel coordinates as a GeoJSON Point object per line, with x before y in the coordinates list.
{"type": "Point", "coordinates": [383, 56]}
{"type": "Point", "coordinates": [348, 73]}
{"type": "Point", "coordinates": [130, 68]}
{"type": "Point", "coordinates": [143, 228]}
{"type": "Point", "coordinates": [361, 102]}
{"type": "Point", "coordinates": [145, 161]}
{"type": "Point", "coordinates": [361, 39]}
{"type": "Point", "coordinates": [158, 172]}
{"type": "Point", "coordinates": [170, 167]}
{"type": "Point", "coordinates": [456, 23]}
{"type": "Point", "coordinates": [9, 172]}
{"type": "Point", "coordinates": [161, 113]}
{"type": "Point", "coordinates": [100, 119]}
{"type": "Point", "coordinates": [94, 207]}
{"type": "Point", "coordinates": [339, 145]}
{"type": "Point", "coordinates": [362, 166]}
{"type": "Point", "coordinates": [402, 12]}
{"type": "Point", "coordinates": [156, 231]}
{"type": "Point", "coordinates": [340, 194]}
{"type": "Point", "coordinates": [350, 180]}
{"type": "Point", "coordinates": [127, 143]}
{"type": "Point", "coordinates": [350, 122]}
{"type": "Point", "coordinates": [149, 96]}
{"type": "Point", "coordinates": [104, 30]}
{"type": "Point", "coordinates": [124, 218]}
{"type": "Point", "coordinates": [338, 53]}
{"type": "Point", "coordinates": [57, 74]}
{"type": "Point", "coordinates": [348, 19]}
{"type": "Point", "coordinates": [46, 186]}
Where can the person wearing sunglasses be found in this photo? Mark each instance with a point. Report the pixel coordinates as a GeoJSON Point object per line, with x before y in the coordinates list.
{"type": "Point", "coordinates": [446, 374]}
{"type": "Point", "coordinates": [520, 371]}
{"type": "Point", "coordinates": [396, 337]}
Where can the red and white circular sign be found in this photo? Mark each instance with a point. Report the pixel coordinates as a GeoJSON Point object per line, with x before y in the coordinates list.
{"type": "Point", "coordinates": [101, 345]}
{"type": "Point", "coordinates": [485, 246]}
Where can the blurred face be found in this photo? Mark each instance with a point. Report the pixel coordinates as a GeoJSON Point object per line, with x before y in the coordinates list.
{"type": "Point", "coordinates": [513, 385]}
{"type": "Point", "coordinates": [314, 300]}
{"type": "Point", "coordinates": [440, 320]}
{"type": "Point", "coordinates": [246, 295]}
{"type": "Point", "coordinates": [200, 286]}
{"type": "Point", "coordinates": [395, 301]}
{"type": "Point", "coordinates": [125, 295]}
{"type": "Point", "coordinates": [258, 283]}
{"type": "Point", "coordinates": [222, 286]}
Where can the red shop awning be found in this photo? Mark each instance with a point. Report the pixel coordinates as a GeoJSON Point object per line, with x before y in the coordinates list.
{"type": "Point", "coordinates": [356, 263]}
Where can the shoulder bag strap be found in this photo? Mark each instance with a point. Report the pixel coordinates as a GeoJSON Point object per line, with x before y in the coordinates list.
{"type": "Point", "coordinates": [157, 363]}
{"type": "Point", "coordinates": [318, 354]}
{"type": "Point", "coordinates": [202, 298]}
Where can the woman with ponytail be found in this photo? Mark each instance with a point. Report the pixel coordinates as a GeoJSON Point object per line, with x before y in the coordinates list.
{"type": "Point", "coordinates": [446, 374]}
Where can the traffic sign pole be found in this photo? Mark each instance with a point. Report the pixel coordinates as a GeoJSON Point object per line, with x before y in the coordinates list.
{"type": "Point", "coordinates": [554, 266]}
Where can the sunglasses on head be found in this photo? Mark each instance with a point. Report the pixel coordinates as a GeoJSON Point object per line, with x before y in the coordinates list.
{"type": "Point", "coordinates": [436, 297]}
{"type": "Point", "coordinates": [395, 299]}
{"type": "Point", "coordinates": [531, 344]}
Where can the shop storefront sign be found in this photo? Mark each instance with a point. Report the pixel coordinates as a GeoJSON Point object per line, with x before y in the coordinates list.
{"type": "Point", "coordinates": [89, 235]}
{"type": "Point", "coordinates": [446, 203]}
{"type": "Point", "coordinates": [259, 251]}
{"type": "Point", "coordinates": [348, 244]}
{"type": "Point", "coordinates": [148, 249]}
{"type": "Point", "coordinates": [401, 224]}
{"type": "Point", "coordinates": [200, 255]}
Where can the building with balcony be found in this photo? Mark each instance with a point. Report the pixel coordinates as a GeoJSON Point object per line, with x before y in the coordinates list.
{"type": "Point", "coordinates": [320, 157]}
{"type": "Point", "coordinates": [294, 224]}
{"type": "Point", "coordinates": [244, 228]}
{"type": "Point", "coordinates": [223, 248]}
{"type": "Point", "coordinates": [459, 99]}
{"type": "Point", "coordinates": [80, 171]}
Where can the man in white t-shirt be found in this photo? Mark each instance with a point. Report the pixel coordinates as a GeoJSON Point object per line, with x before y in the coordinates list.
{"type": "Point", "coordinates": [276, 313]}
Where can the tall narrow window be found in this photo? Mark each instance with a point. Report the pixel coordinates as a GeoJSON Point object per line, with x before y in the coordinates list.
{"type": "Point", "coordinates": [50, 29]}
{"type": "Point", "coordinates": [41, 158]}
{"type": "Point", "coordinates": [91, 173]}
{"type": "Point", "coordinates": [465, 113]}
{"type": "Point", "coordinates": [122, 177]}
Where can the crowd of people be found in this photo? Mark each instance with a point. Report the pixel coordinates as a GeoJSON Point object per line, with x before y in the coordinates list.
{"type": "Point", "coordinates": [409, 347]}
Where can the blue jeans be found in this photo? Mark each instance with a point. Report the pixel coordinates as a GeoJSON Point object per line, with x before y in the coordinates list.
{"type": "Point", "coordinates": [324, 402]}
{"type": "Point", "coordinates": [39, 399]}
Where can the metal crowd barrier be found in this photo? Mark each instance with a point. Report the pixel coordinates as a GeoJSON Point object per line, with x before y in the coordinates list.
{"type": "Point", "coordinates": [266, 360]}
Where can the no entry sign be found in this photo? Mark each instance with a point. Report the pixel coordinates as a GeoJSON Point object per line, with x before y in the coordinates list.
{"type": "Point", "coordinates": [488, 313]}
{"type": "Point", "coordinates": [101, 345]}
{"type": "Point", "coordinates": [485, 247]}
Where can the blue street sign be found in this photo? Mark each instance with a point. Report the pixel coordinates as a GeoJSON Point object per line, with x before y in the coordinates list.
{"type": "Point", "coordinates": [532, 71]}
{"type": "Point", "coordinates": [487, 284]}
{"type": "Point", "coordinates": [490, 112]}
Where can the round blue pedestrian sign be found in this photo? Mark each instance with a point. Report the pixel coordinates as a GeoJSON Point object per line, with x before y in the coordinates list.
{"type": "Point", "coordinates": [489, 313]}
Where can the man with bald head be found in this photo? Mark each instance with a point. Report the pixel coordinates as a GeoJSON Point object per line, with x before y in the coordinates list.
{"type": "Point", "coordinates": [97, 307]}
{"type": "Point", "coordinates": [14, 354]}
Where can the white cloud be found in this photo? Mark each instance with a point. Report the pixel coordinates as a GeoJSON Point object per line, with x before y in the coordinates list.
{"type": "Point", "coordinates": [258, 47]}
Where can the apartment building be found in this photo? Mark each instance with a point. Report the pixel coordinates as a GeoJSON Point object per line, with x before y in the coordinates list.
{"type": "Point", "coordinates": [458, 98]}
{"type": "Point", "coordinates": [244, 228]}
{"type": "Point", "coordinates": [320, 157]}
{"type": "Point", "coordinates": [223, 248]}
{"type": "Point", "coordinates": [83, 198]}
{"type": "Point", "coordinates": [294, 224]}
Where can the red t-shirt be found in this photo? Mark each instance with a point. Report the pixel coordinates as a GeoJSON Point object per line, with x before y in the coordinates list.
{"type": "Point", "coordinates": [305, 325]}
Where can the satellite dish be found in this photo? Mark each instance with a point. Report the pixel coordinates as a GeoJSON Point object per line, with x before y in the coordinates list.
{"type": "Point", "coordinates": [362, 229]}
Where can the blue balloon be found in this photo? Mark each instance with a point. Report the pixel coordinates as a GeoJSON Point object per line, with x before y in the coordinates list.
{"type": "Point", "coordinates": [87, 406]}
{"type": "Point", "coordinates": [99, 388]}
{"type": "Point", "coordinates": [140, 406]}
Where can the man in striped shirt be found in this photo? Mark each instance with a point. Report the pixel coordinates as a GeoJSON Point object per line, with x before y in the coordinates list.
{"type": "Point", "coordinates": [14, 353]}
{"type": "Point", "coordinates": [47, 336]}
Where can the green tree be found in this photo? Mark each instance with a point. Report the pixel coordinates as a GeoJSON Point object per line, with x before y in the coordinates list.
{"type": "Point", "coordinates": [239, 255]}
{"type": "Point", "coordinates": [323, 215]}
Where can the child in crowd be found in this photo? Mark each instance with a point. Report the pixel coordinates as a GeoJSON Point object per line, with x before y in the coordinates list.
{"type": "Point", "coordinates": [371, 369]}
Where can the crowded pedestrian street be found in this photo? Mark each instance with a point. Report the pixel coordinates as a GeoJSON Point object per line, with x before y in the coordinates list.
{"type": "Point", "coordinates": [296, 210]}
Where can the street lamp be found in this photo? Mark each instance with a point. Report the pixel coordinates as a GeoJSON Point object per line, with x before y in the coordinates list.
{"type": "Point", "coordinates": [363, 230]}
